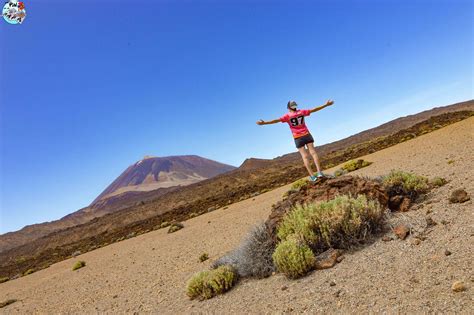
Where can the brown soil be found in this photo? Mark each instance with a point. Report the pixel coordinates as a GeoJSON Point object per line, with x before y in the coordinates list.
{"type": "Point", "coordinates": [148, 273]}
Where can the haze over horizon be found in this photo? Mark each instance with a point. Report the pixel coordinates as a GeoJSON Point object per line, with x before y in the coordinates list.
{"type": "Point", "coordinates": [83, 98]}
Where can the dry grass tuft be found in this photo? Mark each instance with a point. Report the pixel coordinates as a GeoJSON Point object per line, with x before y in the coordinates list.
{"type": "Point", "coordinates": [253, 257]}
{"type": "Point", "coordinates": [299, 183]}
{"type": "Point", "coordinates": [351, 166]}
{"type": "Point", "coordinates": [438, 182]}
{"type": "Point", "coordinates": [209, 283]}
{"type": "Point", "coordinates": [78, 265]}
{"type": "Point", "coordinates": [175, 227]}
{"type": "Point", "coordinates": [203, 257]}
{"type": "Point", "coordinates": [355, 165]}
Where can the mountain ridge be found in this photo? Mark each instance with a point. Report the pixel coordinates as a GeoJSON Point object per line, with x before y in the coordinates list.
{"type": "Point", "coordinates": [151, 173]}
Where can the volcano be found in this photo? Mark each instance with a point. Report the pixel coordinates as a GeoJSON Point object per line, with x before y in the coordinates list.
{"type": "Point", "coordinates": [151, 173]}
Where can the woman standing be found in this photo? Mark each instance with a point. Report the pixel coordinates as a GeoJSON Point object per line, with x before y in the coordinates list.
{"type": "Point", "coordinates": [301, 134]}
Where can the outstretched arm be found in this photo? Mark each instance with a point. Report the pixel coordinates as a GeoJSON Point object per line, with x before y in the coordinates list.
{"type": "Point", "coordinates": [328, 103]}
{"type": "Point", "coordinates": [261, 122]}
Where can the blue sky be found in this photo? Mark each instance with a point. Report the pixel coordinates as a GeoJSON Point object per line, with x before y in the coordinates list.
{"type": "Point", "coordinates": [88, 88]}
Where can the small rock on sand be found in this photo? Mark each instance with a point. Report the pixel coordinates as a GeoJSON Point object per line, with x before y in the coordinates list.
{"type": "Point", "coordinates": [401, 231]}
{"type": "Point", "coordinates": [327, 259]}
{"type": "Point", "coordinates": [459, 196]}
{"type": "Point", "coordinates": [458, 286]}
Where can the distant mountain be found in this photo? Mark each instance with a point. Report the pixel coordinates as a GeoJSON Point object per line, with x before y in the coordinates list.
{"type": "Point", "coordinates": [152, 173]}
{"type": "Point", "coordinates": [253, 163]}
{"type": "Point", "coordinates": [146, 179]}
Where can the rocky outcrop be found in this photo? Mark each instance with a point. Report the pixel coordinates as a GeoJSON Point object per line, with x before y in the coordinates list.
{"type": "Point", "coordinates": [325, 190]}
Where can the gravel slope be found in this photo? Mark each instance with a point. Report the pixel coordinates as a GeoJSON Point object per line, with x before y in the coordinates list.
{"type": "Point", "coordinates": [148, 273]}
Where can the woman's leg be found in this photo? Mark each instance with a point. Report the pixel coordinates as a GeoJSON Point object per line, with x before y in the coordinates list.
{"type": "Point", "coordinates": [306, 161]}
{"type": "Point", "coordinates": [313, 153]}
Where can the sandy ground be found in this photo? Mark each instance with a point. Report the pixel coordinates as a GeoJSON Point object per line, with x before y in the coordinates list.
{"type": "Point", "coordinates": [148, 274]}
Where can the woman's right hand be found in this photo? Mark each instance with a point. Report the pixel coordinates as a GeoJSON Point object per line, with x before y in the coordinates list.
{"type": "Point", "coordinates": [260, 122]}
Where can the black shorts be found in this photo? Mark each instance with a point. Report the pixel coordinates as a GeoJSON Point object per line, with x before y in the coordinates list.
{"type": "Point", "coordinates": [304, 140]}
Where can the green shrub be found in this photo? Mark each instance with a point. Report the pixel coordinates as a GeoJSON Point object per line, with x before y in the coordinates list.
{"type": "Point", "coordinates": [400, 182]}
{"type": "Point", "coordinates": [355, 165]}
{"type": "Point", "coordinates": [203, 257]}
{"type": "Point", "coordinates": [79, 265]}
{"type": "Point", "coordinates": [193, 215]}
{"type": "Point", "coordinates": [4, 279]}
{"type": "Point", "coordinates": [450, 161]}
{"type": "Point", "coordinates": [340, 172]}
{"type": "Point", "coordinates": [164, 224]}
{"type": "Point", "coordinates": [438, 181]}
{"type": "Point", "coordinates": [299, 183]}
{"type": "Point", "coordinates": [28, 272]}
{"type": "Point", "coordinates": [329, 165]}
{"type": "Point", "coordinates": [293, 258]}
{"type": "Point", "coordinates": [209, 283]}
{"type": "Point", "coordinates": [336, 223]}
{"type": "Point", "coordinates": [20, 259]}
{"type": "Point", "coordinates": [175, 227]}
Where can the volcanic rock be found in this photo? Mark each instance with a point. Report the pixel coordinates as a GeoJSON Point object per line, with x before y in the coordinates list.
{"type": "Point", "coordinates": [459, 196]}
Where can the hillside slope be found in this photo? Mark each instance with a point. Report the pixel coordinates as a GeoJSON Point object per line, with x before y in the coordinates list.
{"type": "Point", "coordinates": [146, 179]}
{"type": "Point", "coordinates": [149, 273]}
{"type": "Point", "coordinates": [189, 201]}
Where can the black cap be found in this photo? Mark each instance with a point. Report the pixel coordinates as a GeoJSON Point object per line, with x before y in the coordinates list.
{"type": "Point", "coordinates": [291, 104]}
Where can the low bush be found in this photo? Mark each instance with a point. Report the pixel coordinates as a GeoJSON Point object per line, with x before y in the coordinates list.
{"type": "Point", "coordinates": [340, 172]}
{"type": "Point", "coordinates": [299, 183]}
{"type": "Point", "coordinates": [209, 283]}
{"type": "Point", "coordinates": [79, 265]}
{"type": "Point", "coordinates": [337, 223]}
{"type": "Point", "coordinates": [253, 257]}
{"type": "Point", "coordinates": [164, 224]}
{"type": "Point", "coordinates": [175, 227]}
{"type": "Point", "coordinates": [28, 272]}
{"type": "Point", "coordinates": [438, 182]}
{"type": "Point", "coordinates": [203, 257]}
{"type": "Point", "coordinates": [405, 183]}
{"type": "Point", "coordinates": [293, 258]}
{"type": "Point", "coordinates": [4, 279]}
{"type": "Point", "coordinates": [355, 165]}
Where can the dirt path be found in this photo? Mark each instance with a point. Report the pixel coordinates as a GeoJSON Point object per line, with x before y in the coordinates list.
{"type": "Point", "coordinates": [148, 273]}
